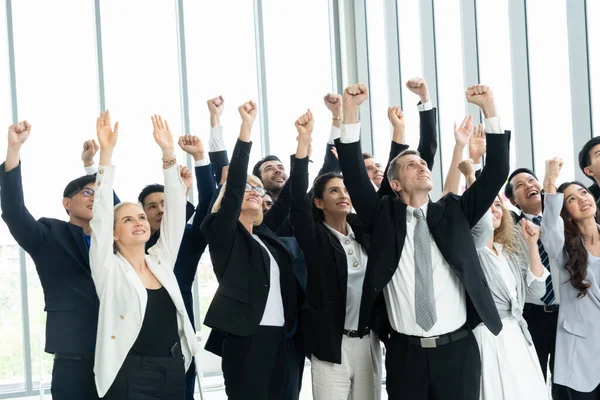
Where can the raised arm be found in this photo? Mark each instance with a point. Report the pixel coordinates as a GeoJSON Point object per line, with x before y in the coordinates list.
{"type": "Point", "coordinates": [462, 134]}
{"type": "Point", "coordinates": [102, 223]}
{"type": "Point", "coordinates": [427, 121]}
{"type": "Point", "coordinates": [22, 225]}
{"type": "Point", "coordinates": [396, 117]}
{"type": "Point", "coordinates": [534, 273]}
{"type": "Point", "coordinates": [333, 102]}
{"type": "Point", "coordinates": [219, 227]}
{"type": "Point", "coordinates": [364, 198]}
{"type": "Point", "coordinates": [552, 231]}
{"type": "Point", "coordinates": [216, 144]}
{"type": "Point", "coordinates": [478, 198]}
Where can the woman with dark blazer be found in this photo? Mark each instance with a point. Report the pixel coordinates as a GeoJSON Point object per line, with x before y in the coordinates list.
{"type": "Point", "coordinates": [256, 302]}
{"type": "Point", "coordinates": [345, 363]}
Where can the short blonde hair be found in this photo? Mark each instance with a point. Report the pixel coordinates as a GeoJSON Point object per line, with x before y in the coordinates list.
{"type": "Point", "coordinates": [115, 209]}
{"type": "Point", "coordinates": [250, 179]}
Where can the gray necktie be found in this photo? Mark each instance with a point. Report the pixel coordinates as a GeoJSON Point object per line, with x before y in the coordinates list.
{"type": "Point", "coordinates": [424, 299]}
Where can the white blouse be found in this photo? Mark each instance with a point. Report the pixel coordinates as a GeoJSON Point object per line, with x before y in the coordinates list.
{"type": "Point", "coordinates": [122, 294]}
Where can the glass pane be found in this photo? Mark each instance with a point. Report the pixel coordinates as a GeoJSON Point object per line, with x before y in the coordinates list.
{"type": "Point", "coordinates": [550, 85]}
{"type": "Point", "coordinates": [451, 86]}
{"type": "Point", "coordinates": [593, 13]}
{"type": "Point", "coordinates": [224, 65]}
{"type": "Point", "coordinates": [298, 73]}
{"type": "Point", "coordinates": [378, 79]}
{"type": "Point", "coordinates": [409, 24]}
{"type": "Point", "coordinates": [494, 44]}
{"type": "Point", "coordinates": [141, 67]}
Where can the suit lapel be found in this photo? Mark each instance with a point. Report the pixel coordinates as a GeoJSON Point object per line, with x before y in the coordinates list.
{"type": "Point", "coordinates": [341, 262]}
{"type": "Point", "coordinates": [400, 214]}
{"type": "Point", "coordinates": [77, 233]}
{"type": "Point", "coordinates": [434, 215]}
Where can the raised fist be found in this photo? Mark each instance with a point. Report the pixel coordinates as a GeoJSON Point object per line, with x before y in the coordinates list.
{"type": "Point", "coordinates": [464, 132]}
{"type": "Point", "coordinates": [530, 231]}
{"type": "Point", "coordinates": [355, 95]}
{"type": "Point", "coordinates": [162, 133]}
{"type": "Point", "coordinates": [107, 136]}
{"type": "Point", "coordinates": [466, 167]}
{"type": "Point", "coordinates": [186, 177]}
{"type": "Point", "coordinates": [18, 133]}
{"type": "Point", "coordinates": [304, 124]}
{"type": "Point", "coordinates": [480, 95]}
{"type": "Point", "coordinates": [90, 148]}
{"type": "Point", "coordinates": [553, 167]}
{"type": "Point", "coordinates": [419, 87]}
{"type": "Point", "coordinates": [248, 112]}
{"type": "Point", "coordinates": [396, 117]}
{"type": "Point", "coordinates": [192, 145]}
{"type": "Point", "coordinates": [216, 105]}
{"type": "Point", "coordinates": [333, 102]}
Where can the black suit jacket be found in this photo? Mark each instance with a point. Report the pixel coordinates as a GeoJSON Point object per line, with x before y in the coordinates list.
{"type": "Point", "coordinates": [61, 258]}
{"type": "Point", "coordinates": [324, 313]}
{"type": "Point", "coordinates": [193, 243]}
{"type": "Point", "coordinates": [449, 220]}
{"type": "Point", "coordinates": [241, 264]}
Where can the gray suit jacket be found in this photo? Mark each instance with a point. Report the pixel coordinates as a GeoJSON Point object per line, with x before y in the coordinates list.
{"type": "Point", "coordinates": [577, 354]}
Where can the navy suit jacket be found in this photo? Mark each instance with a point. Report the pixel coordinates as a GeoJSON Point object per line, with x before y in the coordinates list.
{"type": "Point", "coordinates": [61, 259]}
{"type": "Point", "coordinates": [193, 243]}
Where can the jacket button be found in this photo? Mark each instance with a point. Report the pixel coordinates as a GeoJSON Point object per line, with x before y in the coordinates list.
{"type": "Point", "coordinates": [99, 183]}
{"type": "Point", "coordinates": [112, 337]}
{"type": "Point", "coordinates": [351, 252]}
{"type": "Point", "coordinates": [101, 171]}
{"type": "Point", "coordinates": [122, 317]}
{"type": "Point", "coordinates": [265, 285]}
{"type": "Point", "coordinates": [355, 264]}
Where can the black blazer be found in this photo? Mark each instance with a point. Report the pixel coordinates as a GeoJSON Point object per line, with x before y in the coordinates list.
{"type": "Point", "coordinates": [324, 313]}
{"type": "Point", "coordinates": [241, 264]}
{"type": "Point", "coordinates": [450, 221]}
{"type": "Point", "coordinates": [193, 243]}
{"type": "Point", "coordinates": [61, 258]}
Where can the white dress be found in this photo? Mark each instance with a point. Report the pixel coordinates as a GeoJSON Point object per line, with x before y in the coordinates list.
{"type": "Point", "coordinates": [510, 369]}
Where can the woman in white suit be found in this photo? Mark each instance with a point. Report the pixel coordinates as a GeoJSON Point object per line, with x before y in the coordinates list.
{"type": "Point", "coordinates": [145, 340]}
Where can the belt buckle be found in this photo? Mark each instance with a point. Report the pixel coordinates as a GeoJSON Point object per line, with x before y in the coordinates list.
{"type": "Point", "coordinates": [429, 342]}
{"type": "Point", "coordinates": [548, 310]}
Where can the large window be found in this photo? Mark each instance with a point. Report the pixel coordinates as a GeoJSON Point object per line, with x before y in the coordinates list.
{"type": "Point", "coordinates": [493, 38]}
{"type": "Point", "coordinates": [411, 65]}
{"type": "Point", "coordinates": [593, 31]}
{"type": "Point", "coordinates": [451, 86]}
{"type": "Point", "coordinates": [221, 64]}
{"type": "Point", "coordinates": [550, 85]}
{"type": "Point", "coordinates": [141, 66]}
{"type": "Point", "coordinates": [299, 73]}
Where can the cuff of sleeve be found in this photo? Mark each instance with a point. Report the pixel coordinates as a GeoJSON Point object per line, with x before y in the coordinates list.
{"type": "Point", "coordinates": [201, 163]}
{"type": "Point", "coordinates": [171, 174]}
{"type": "Point", "coordinates": [334, 134]}
{"type": "Point", "coordinates": [477, 167]}
{"type": "Point", "coordinates": [493, 125]}
{"type": "Point", "coordinates": [425, 106]}
{"type": "Point", "coordinates": [105, 173]}
{"type": "Point", "coordinates": [532, 278]}
{"type": "Point", "coordinates": [215, 141]}
{"type": "Point", "coordinates": [350, 133]}
{"type": "Point", "coordinates": [91, 170]}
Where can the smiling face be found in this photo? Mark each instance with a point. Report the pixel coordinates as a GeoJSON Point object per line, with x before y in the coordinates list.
{"type": "Point", "coordinates": [374, 170]}
{"type": "Point", "coordinates": [527, 193]}
{"type": "Point", "coordinates": [579, 203]}
{"type": "Point", "coordinates": [497, 213]}
{"type": "Point", "coordinates": [253, 202]}
{"type": "Point", "coordinates": [131, 225]}
{"type": "Point", "coordinates": [413, 176]}
{"type": "Point", "coordinates": [273, 175]}
{"type": "Point", "coordinates": [334, 200]}
{"type": "Point", "coordinates": [267, 203]}
{"type": "Point", "coordinates": [154, 207]}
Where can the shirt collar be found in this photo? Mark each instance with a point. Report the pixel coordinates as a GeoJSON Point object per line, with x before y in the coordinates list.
{"type": "Point", "coordinates": [339, 235]}
{"type": "Point", "coordinates": [410, 210]}
{"type": "Point", "coordinates": [530, 217]}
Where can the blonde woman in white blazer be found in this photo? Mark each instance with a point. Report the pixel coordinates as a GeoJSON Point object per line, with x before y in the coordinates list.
{"type": "Point", "coordinates": [145, 340]}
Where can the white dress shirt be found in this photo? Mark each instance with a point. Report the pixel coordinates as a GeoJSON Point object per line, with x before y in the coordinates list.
{"type": "Point", "coordinates": [356, 258]}
{"type": "Point", "coordinates": [123, 297]}
{"type": "Point", "coordinates": [215, 141]}
{"type": "Point", "coordinates": [273, 314]}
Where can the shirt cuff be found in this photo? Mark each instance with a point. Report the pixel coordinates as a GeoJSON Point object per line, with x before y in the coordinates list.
{"type": "Point", "coordinates": [425, 106]}
{"type": "Point", "coordinates": [334, 134]}
{"type": "Point", "coordinates": [477, 167]}
{"type": "Point", "coordinates": [350, 133]}
{"type": "Point", "coordinates": [201, 163]}
{"type": "Point", "coordinates": [493, 125]}
{"type": "Point", "coordinates": [91, 170]}
{"type": "Point", "coordinates": [532, 278]}
{"type": "Point", "coordinates": [216, 142]}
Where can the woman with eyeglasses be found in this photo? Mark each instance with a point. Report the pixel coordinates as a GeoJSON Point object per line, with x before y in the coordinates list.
{"type": "Point", "coordinates": [145, 340]}
{"type": "Point", "coordinates": [256, 301]}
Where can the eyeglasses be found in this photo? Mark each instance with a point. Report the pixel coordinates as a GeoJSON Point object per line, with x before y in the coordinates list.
{"type": "Point", "coordinates": [260, 191]}
{"type": "Point", "coordinates": [86, 192]}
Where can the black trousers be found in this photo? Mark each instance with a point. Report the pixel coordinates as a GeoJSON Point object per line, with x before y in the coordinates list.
{"type": "Point", "coordinates": [448, 372]}
{"type": "Point", "coordinates": [542, 326]}
{"type": "Point", "coordinates": [149, 378]}
{"type": "Point", "coordinates": [295, 357]}
{"type": "Point", "coordinates": [253, 366]}
{"type": "Point", "coordinates": [73, 380]}
{"type": "Point", "coordinates": [565, 393]}
{"type": "Point", "coordinates": [190, 381]}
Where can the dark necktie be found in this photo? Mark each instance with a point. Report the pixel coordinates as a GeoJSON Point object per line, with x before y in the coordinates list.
{"type": "Point", "coordinates": [548, 298]}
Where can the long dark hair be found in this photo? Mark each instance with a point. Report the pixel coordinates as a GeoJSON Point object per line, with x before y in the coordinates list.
{"type": "Point", "coordinates": [318, 190]}
{"type": "Point", "coordinates": [578, 256]}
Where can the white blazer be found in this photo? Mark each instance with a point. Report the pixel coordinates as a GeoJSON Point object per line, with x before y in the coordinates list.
{"type": "Point", "coordinates": [123, 297]}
